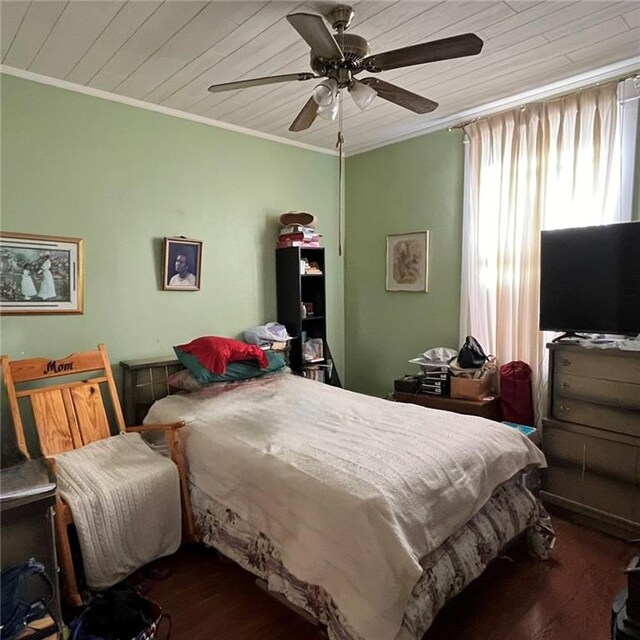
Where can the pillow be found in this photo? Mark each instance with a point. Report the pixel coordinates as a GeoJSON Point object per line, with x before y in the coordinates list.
{"type": "Point", "coordinates": [183, 380]}
{"type": "Point", "coordinates": [216, 353]}
{"type": "Point", "coordinates": [236, 371]}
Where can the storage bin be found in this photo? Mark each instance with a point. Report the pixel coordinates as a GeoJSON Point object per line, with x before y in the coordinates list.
{"type": "Point", "coordinates": [471, 388]}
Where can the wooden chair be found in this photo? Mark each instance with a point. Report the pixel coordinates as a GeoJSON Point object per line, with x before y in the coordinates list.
{"type": "Point", "coordinates": [71, 415]}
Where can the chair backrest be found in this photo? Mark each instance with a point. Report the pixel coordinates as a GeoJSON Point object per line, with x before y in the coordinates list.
{"type": "Point", "coordinates": [68, 415]}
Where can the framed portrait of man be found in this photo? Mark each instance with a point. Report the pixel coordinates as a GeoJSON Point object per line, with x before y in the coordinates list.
{"type": "Point", "coordinates": [181, 264]}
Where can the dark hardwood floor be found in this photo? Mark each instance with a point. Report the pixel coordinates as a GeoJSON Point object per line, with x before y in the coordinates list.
{"type": "Point", "coordinates": [566, 598]}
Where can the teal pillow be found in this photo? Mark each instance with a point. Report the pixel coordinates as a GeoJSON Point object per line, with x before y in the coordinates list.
{"type": "Point", "coordinates": [236, 371]}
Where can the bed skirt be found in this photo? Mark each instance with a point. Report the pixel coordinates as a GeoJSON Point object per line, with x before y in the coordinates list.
{"type": "Point", "coordinates": [510, 511]}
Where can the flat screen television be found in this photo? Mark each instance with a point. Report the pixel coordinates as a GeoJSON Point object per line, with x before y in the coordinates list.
{"type": "Point", "coordinates": [590, 279]}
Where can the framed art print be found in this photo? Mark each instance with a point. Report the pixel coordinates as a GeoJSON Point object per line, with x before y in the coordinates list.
{"type": "Point", "coordinates": [40, 274]}
{"type": "Point", "coordinates": [408, 262]}
{"type": "Point", "coordinates": [181, 264]}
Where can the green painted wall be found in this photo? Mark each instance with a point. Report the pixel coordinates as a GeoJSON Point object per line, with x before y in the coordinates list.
{"type": "Point", "coordinates": [408, 186]}
{"type": "Point", "coordinates": [123, 178]}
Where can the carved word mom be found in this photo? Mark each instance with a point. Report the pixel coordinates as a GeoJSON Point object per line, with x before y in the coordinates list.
{"type": "Point", "coordinates": [54, 367]}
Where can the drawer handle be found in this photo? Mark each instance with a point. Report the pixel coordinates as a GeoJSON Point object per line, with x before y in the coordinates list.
{"type": "Point", "coordinates": [566, 362]}
{"type": "Point", "coordinates": [563, 407]}
{"type": "Point", "coordinates": [565, 385]}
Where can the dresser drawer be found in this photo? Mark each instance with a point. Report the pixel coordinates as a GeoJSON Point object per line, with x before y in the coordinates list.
{"type": "Point", "coordinates": [605, 494]}
{"type": "Point", "coordinates": [579, 450]}
{"type": "Point", "coordinates": [612, 459]}
{"type": "Point", "coordinates": [563, 447]}
{"type": "Point", "coordinates": [600, 416]}
{"type": "Point", "coordinates": [608, 392]}
{"type": "Point", "coordinates": [565, 482]}
{"type": "Point", "coordinates": [595, 365]}
{"type": "Point", "coordinates": [612, 496]}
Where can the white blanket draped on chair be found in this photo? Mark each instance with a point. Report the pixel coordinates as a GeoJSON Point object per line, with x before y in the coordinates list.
{"type": "Point", "coordinates": [125, 501]}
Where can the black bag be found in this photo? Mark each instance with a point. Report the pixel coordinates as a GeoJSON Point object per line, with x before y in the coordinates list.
{"type": "Point", "coordinates": [471, 355]}
{"type": "Point", "coordinates": [18, 608]}
{"type": "Point", "coordinates": [120, 613]}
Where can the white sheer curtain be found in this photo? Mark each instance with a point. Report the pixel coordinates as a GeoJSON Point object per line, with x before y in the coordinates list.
{"type": "Point", "coordinates": [550, 165]}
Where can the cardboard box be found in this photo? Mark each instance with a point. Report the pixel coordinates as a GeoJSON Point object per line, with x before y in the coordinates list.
{"type": "Point", "coordinates": [470, 389]}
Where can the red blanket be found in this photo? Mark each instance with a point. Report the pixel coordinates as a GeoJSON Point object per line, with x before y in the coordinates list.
{"type": "Point", "coordinates": [215, 353]}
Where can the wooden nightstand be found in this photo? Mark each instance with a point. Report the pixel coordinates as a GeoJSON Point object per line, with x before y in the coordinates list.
{"type": "Point", "coordinates": [485, 408]}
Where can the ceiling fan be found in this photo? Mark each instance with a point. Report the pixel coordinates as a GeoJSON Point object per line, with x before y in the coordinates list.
{"type": "Point", "coordinates": [339, 58]}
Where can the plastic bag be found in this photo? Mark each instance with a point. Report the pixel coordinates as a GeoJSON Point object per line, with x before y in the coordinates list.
{"type": "Point", "coordinates": [312, 350]}
{"type": "Point", "coordinates": [265, 333]}
{"type": "Point", "coordinates": [438, 355]}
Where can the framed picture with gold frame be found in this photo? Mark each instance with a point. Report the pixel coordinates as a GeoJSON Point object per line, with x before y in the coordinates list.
{"type": "Point", "coordinates": [182, 262]}
{"type": "Point", "coordinates": [40, 274]}
{"type": "Point", "coordinates": [408, 262]}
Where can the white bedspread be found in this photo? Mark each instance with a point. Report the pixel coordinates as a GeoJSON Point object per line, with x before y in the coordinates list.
{"type": "Point", "coordinates": [353, 490]}
{"type": "Point", "coordinates": [125, 501]}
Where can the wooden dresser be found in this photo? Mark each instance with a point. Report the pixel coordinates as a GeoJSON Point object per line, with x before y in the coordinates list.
{"type": "Point", "coordinates": [489, 408]}
{"type": "Point", "coordinates": [591, 436]}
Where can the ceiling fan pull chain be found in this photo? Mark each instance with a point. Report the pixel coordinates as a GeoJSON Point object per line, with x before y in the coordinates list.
{"type": "Point", "coordinates": [340, 146]}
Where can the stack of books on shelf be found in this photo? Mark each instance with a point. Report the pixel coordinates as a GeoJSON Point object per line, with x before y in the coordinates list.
{"type": "Point", "coordinates": [309, 268]}
{"type": "Point", "coordinates": [314, 372]}
{"type": "Point", "coordinates": [318, 372]}
{"type": "Point", "coordinates": [297, 235]}
{"type": "Point", "coordinates": [435, 379]}
{"type": "Point", "coordinates": [274, 346]}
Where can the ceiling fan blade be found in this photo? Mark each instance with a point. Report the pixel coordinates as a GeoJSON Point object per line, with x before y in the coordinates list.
{"type": "Point", "coordinates": [314, 32]}
{"type": "Point", "coordinates": [256, 82]}
{"type": "Point", "coordinates": [306, 116]}
{"type": "Point", "coordinates": [467, 44]}
{"type": "Point", "coordinates": [400, 96]}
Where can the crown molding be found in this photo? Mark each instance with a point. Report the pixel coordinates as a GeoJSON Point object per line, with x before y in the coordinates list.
{"type": "Point", "coordinates": [149, 106]}
{"type": "Point", "coordinates": [573, 83]}
{"type": "Point", "coordinates": [551, 90]}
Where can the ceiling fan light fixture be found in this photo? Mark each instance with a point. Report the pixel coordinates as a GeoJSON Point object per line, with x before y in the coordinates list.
{"type": "Point", "coordinates": [336, 58]}
{"type": "Point", "coordinates": [325, 93]}
{"type": "Point", "coordinates": [362, 94]}
{"type": "Point", "coordinates": [330, 111]}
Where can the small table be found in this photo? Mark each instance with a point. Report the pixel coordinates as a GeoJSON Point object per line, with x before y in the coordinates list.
{"type": "Point", "coordinates": [27, 499]}
{"type": "Point", "coordinates": [487, 408]}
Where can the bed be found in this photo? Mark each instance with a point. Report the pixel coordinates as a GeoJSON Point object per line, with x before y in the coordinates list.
{"type": "Point", "coordinates": [368, 515]}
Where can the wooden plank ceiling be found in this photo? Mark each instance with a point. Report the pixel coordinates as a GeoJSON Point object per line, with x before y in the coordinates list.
{"type": "Point", "coordinates": [169, 52]}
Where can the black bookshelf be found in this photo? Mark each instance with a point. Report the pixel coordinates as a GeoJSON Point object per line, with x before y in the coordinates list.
{"type": "Point", "coordinates": [293, 289]}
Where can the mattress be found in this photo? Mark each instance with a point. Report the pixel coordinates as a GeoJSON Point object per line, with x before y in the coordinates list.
{"type": "Point", "coordinates": [510, 511]}
{"type": "Point", "coordinates": [334, 478]}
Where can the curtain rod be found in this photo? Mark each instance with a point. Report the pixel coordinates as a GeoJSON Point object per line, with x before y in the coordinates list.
{"type": "Point", "coordinates": [635, 75]}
